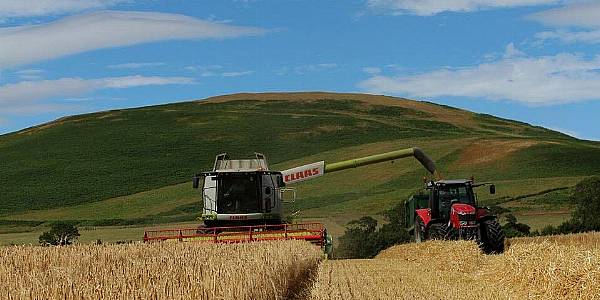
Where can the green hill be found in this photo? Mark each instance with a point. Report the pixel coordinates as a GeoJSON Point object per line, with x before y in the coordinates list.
{"type": "Point", "coordinates": [133, 166]}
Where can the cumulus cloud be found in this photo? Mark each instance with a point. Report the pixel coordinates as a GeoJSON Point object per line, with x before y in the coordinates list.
{"type": "Point", "coordinates": [26, 93]}
{"type": "Point", "coordinates": [433, 7]}
{"type": "Point", "coordinates": [585, 16]}
{"type": "Point", "coordinates": [30, 43]}
{"type": "Point", "coordinates": [547, 80]}
{"type": "Point", "coordinates": [30, 8]}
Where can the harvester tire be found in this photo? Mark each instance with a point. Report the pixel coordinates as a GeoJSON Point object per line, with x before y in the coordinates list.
{"type": "Point", "coordinates": [492, 237]}
{"type": "Point", "coordinates": [419, 234]}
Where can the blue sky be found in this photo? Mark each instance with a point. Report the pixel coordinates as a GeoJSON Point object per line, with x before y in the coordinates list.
{"type": "Point", "coordinates": [536, 61]}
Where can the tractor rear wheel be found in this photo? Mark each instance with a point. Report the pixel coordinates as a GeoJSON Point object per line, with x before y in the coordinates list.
{"type": "Point", "coordinates": [419, 230]}
{"type": "Point", "coordinates": [492, 237]}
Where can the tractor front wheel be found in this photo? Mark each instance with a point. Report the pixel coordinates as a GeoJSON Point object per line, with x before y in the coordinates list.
{"type": "Point", "coordinates": [492, 237]}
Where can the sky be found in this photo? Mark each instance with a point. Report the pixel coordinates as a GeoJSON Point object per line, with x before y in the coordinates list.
{"type": "Point", "coordinates": [536, 61]}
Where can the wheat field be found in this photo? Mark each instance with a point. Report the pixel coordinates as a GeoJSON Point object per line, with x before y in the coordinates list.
{"type": "Point", "coordinates": [157, 271]}
{"type": "Point", "coordinates": [561, 267]}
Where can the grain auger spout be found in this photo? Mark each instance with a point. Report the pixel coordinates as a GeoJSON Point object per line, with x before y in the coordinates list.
{"type": "Point", "coordinates": [318, 169]}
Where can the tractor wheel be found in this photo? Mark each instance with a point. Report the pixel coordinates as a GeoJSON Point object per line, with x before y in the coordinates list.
{"type": "Point", "coordinates": [438, 231]}
{"type": "Point", "coordinates": [492, 237]}
{"type": "Point", "coordinates": [419, 230]}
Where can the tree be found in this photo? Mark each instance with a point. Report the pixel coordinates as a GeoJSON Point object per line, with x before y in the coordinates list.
{"type": "Point", "coordinates": [60, 233]}
{"type": "Point", "coordinates": [513, 228]}
{"type": "Point", "coordinates": [587, 200]}
{"type": "Point", "coordinates": [362, 238]}
{"type": "Point", "coordinates": [358, 239]}
{"type": "Point", "coordinates": [586, 197]}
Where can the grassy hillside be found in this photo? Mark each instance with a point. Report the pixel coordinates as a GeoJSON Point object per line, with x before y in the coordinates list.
{"type": "Point", "coordinates": [134, 166]}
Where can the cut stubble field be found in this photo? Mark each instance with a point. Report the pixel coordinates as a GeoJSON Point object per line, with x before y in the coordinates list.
{"type": "Point", "coordinates": [561, 267]}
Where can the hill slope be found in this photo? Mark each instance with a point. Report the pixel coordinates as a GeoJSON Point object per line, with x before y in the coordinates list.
{"type": "Point", "coordinates": [85, 167]}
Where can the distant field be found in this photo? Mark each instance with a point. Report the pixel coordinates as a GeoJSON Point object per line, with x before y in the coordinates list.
{"type": "Point", "coordinates": [90, 234]}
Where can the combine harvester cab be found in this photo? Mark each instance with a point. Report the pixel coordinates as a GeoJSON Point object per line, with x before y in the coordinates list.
{"type": "Point", "coordinates": [450, 212]}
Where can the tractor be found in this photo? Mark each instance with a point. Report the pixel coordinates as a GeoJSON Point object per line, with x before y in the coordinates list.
{"type": "Point", "coordinates": [450, 211]}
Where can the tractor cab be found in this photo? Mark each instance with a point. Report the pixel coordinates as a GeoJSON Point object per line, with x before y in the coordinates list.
{"type": "Point", "coordinates": [240, 192]}
{"type": "Point", "coordinates": [444, 194]}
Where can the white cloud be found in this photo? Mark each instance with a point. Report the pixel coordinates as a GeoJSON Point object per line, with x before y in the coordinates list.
{"type": "Point", "coordinates": [205, 71]}
{"type": "Point", "coordinates": [585, 16]}
{"type": "Point", "coordinates": [547, 80]}
{"type": "Point", "coordinates": [236, 74]}
{"type": "Point", "coordinates": [30, 74]}
{"type": "Point", "coordinates": [29, 8]}
{"type": "Point", "coordinates": [138, 80]}
{"type": "Point", "coordinates": [371, 70]}
{"type": "Point", "coordinates": [303, 69]}
{"type": "Point", "coordinates": [512, 51]}
{"type": "Point", "coordinates": [314, 68]}
{"type": "Point", "coordinates": [76, 34]}
{"type": "Point", "coordinates": [26, 93]}
{"type": "Point", "coordinates": [592, 36]}
{"type": "Point", "coordinates": [134, 65]}
{"type": "Point", "coordinates": [433, 7]}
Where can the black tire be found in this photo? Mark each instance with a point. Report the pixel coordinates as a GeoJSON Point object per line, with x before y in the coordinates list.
{"type": "Point", "coordinates": [419, 233]}
{"type": "Point", "coordinates": [492, 237]}
{"type": "Point", "coordinates": [438, 231]}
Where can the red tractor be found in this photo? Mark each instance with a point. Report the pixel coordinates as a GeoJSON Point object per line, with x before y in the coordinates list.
{"type": "Point", "coordinates": [450, 212]}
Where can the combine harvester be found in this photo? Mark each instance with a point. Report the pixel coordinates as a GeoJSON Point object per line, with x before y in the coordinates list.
{"type": "Point", "coordinates": [243, 202]}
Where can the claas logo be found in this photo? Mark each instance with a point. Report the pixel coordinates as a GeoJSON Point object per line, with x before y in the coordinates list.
{"type": "Point", "coordinates": [302, 174]}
